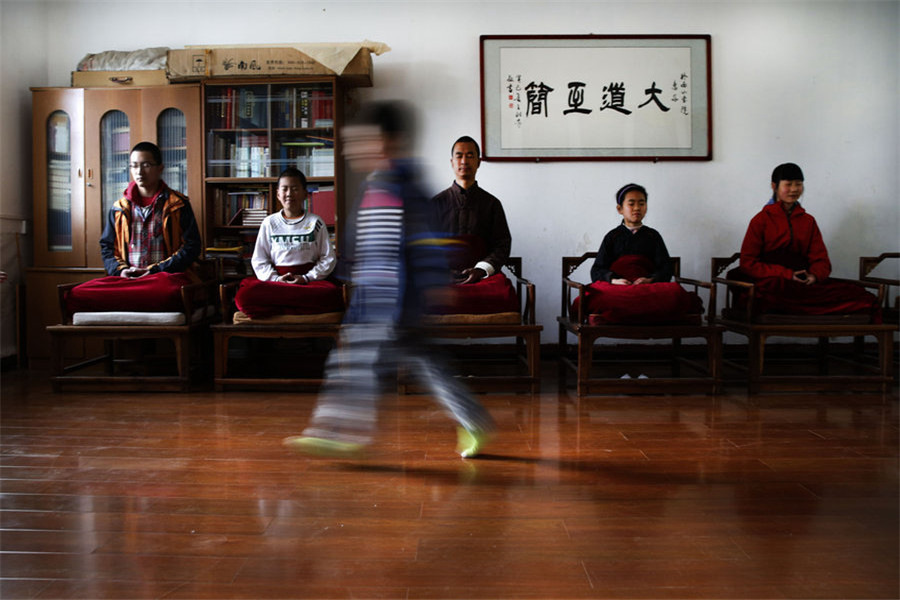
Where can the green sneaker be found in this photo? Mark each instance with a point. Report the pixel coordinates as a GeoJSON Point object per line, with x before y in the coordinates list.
{"type": "Point", "coordinates": [470, 443]}
{"type": "Point", "coordinates": [324, 447]}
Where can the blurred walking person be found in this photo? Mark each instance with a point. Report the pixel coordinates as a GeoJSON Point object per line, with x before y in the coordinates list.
{"type": "Point", "coordinates": [395, 259]}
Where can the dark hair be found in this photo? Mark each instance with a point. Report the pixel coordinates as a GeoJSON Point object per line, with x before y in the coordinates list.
{"type": "Point", "coordinates": [295, 173]}
{"type": "Point", "coordinates": [150, 147]}
{"type": "Point", "coordinates": [630, 187]}
{"type": "Point", "coordinates": [395, 118]}
{"type": "Point", "coordinates": [787, 172]}
{"type": "Point", "coordinates": [466, 140]}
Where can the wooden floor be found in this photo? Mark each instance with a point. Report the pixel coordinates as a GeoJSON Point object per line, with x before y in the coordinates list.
{"type": "Point", "coordinates": [193, 496]}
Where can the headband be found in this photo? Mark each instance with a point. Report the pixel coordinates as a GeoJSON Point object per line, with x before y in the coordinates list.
{"type": "Point", "coordinates": [620, 195]}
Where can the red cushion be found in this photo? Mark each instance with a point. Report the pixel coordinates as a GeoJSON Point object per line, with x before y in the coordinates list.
{"type": "Point", "coordinates": [777, 295]}
{"type": "Point", "coordinates": [632, 266]}
{"type": "Point", "coordinates": [258, 299]}
{"type": "Point", "coordinates": [645, 304]}
{"type": "Point", "coordinates": [159, 292]}
{"type": "Point", "coordinates": [494, 294]}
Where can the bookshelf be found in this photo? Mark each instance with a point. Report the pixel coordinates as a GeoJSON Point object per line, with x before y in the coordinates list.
{"type": "Point", "coordinates": [253, 130]}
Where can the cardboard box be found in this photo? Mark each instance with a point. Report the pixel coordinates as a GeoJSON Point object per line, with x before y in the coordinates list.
{"type": "Point", "coordinates": [199, 63]}
{"type": "Point", "coordinates": [118, 78]}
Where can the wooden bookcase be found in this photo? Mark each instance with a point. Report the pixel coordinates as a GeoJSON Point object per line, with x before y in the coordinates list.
{"type": "Point", "coordinates": [82, 138]}
{"type": "Point", "coordinates": [253, 129]}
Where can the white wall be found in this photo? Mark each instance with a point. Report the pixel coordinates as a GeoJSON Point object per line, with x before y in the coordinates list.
{"type": "Point", "coordinates": [23, 63]}
{"type": "Point", "coordinates": [811, 82]}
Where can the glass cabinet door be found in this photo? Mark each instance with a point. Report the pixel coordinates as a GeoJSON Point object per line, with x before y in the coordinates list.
{"type": "Point", "coordinates": [171, 131]}
{"type": "Point", "coordinates": [59, 182]}
{"type": "Point", "coordinates": [115, 149]}
{"type": "Point", "coordinates": [237, 120]}
{"type": "Point", "coordinates": [171, 117]}
{"type": "Point", "coordinates": [303, 129]}
{"type": "Point", "coordinates": [58, 161]}
{"type": "Point", "coordinates": [112, 122]}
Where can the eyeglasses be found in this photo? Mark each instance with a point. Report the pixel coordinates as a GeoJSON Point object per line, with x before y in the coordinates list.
{"type": "Point", "coordinates": [142, 166]}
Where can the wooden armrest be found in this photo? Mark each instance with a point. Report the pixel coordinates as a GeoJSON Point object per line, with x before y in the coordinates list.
{"type": "Point", "coordinates": [711, 306]}
{"type": "Point", "coordinates": [528, 312]}
{"type": "Point", "coordinates": [867, 264]}
{"type": "Point", "coordinates": [880, 280]}
{"type": "Point", "coordinates": [192, 293]}
{"type": "Point", "coordinates": [573, 284]}
{"type": "Point", "coordinates": [227, 292]}
{"type": "Point", "coordinates": [694, 282]}
{"type": "Point", "coordinates": [733, 283]}
{"type": "Point", "coordinates": [568, 286]}
{"type": "Point", "coordinates": [61, 289]}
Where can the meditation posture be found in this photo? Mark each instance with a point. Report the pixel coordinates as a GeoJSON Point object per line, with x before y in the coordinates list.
{"type": "Point", "coordinates": [152, 228]}
{"type": "Point", "coordinates": [475, 221]}
{"type": "Point", "coordinates": [149, 243]}
{"type": "Point", "coordinates": [396, 259]}
{"type": "Point", "coordinates": [292, 260]}
{"type": "Point", "coordinates": [632, 253]}
{"type": "Point", "coordinates": [293, 245]}
{"type": "Point", "coordinates": [474, 216]}
{"type": "Point", "coordinates": [632, 272]}
{"type": "Point", "coordinates": [784, 255]}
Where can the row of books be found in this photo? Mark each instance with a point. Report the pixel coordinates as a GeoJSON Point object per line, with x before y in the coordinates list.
{"type": "Point", "coordinates": [229, 206]}
{"type": "Point", "coordinates": [238, 108]}
{"type": "Point", "coordinates": [230, 159]}
{"type": "Point", "coordinates": [248, 207]}
{"type": "Point", "coordinates": [248, 108]}
{"type": "Point", "coordinates": [233, 252]}
{"type": "Point", "coordinates": [237, 156]}
{"type": "Point", "coordinates": [301, 108]}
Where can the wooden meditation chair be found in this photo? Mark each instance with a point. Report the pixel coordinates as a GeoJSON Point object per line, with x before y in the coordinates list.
{"type": "Point", "coordinates": [519, 324]}
{"type": "Point", "coordinates": [184, 328]}
{"type": "Point", "coordinates": [744, 319]}
{"type": "Point", "coordinates": [236, 325]}
{"type": "Point", "coordinates": [890, 308]}
{"type": "Point", "coordinates": [590, 365]}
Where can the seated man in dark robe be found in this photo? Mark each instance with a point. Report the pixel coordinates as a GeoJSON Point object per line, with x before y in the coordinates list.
{"type": "Point", "coordinates": [475, 219]}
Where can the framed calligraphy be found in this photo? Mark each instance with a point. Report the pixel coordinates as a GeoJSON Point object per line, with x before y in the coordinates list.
{"type": "Point", "coordinates": [596, 97]}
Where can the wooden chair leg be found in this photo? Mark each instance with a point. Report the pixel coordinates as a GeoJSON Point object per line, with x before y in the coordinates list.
{"type": "Point", "coordinates": [533, 348]}
{"type": "Point", "coordinates": [110, 350]}
{"type": "Point", "coordinates": [756, 361]}
{"type": "Point", "coordinates": [562, 349]}
{"type": "Point", "coordinates": [585, 358]}
{"type": "Point", "coordinates": [57, 352]}
{"type": "Point", "coordinates": [714, 359]}
{"type": "Point", "coordinates": [822, 355]}
{"type": "Point", "coordinates": [885, 341]}
{"type": "Point", "coordinates": [676, 352]}
{"type": "Point", "coordinates": [220, 358]}
{"type": "Point", "coordinates": [183, 358]}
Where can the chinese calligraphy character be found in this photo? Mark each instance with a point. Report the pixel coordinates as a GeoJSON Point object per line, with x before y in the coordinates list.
{"type": "Point", "coordinates": [653, 91]}
{"type": "Point", "coordinates": [228, 63]}
{"type": "Point", "coordinates": [576, 99]}
{"type": "Point", "coordinates": [251, 66]}
{"type": "Point", "coordinates": [514, 97]}
{"type": "Point", "coordinates": [614, 98]}
{"type": "Point", "coordinates": [536, 96]}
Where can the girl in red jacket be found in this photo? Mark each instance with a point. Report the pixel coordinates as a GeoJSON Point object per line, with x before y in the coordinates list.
{"type": "Point", "coordinates": [784, 254]}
